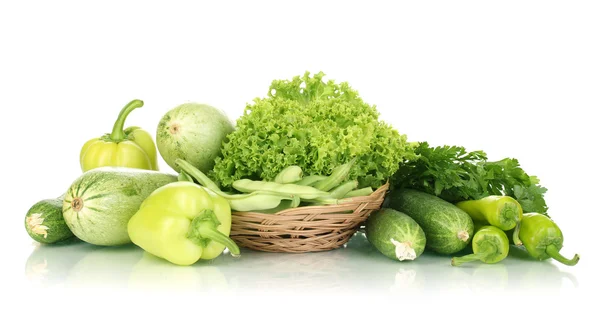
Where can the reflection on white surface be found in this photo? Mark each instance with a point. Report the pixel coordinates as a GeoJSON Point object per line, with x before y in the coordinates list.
{"type": "Point", "coordinates": [354, 268]}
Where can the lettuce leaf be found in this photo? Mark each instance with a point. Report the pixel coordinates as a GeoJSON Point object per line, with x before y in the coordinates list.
{"type": "Point", "coordinates": [315, 124]}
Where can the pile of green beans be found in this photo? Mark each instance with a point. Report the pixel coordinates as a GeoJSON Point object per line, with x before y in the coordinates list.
{"type": "Point", "coordinates": [289, 189]}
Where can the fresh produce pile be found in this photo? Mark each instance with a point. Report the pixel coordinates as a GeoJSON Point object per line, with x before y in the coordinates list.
{"type": "Point", "coordinates": [307, 142]}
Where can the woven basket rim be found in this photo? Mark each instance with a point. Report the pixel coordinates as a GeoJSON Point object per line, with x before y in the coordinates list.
{"type": "Point", "coordinates": [350, 203]}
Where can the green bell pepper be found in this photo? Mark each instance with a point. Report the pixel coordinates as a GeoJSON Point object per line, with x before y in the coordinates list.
{"type": "Point", "coordinates": [182, 223]}
{"type": "Point", "coordinates": [131, 147]}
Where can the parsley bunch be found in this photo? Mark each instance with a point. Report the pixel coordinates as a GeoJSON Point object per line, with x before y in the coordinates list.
{"type": "Point", "coordinates": [454, 175]}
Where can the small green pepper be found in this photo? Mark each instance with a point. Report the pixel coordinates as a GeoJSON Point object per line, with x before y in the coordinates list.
{"type": "Point", "coordinates": [490, 245]}
{"type": "Point", "coordinates": [543, 239]}
{"type": "Point", "coordinates": [503, 212]}
{"type": "Point", "coordinates": [182, 223]}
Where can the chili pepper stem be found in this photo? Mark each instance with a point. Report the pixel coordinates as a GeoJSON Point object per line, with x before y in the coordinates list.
{"type": "Point", "coordinates": [515, 235]}
{"type": "Point", "coordinates": [118, 134]}
{"type": "Point", "coordinates": [480, 256]}
{"type": "Point", "coordinates": [204, 229]}
{"type": "Point", "coordinates": [553, 252]}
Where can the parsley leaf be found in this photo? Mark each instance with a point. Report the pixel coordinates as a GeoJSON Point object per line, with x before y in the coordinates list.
{"type": "Point", "coordinates": [454, 174]}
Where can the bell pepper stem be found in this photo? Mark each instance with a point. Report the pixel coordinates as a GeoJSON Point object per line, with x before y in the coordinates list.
{"type": "Point", "coordinates": [213, 234]}
{"type": "Point", "coordinates": [118, 134]}
{"type": "Point", "coordinates": [554, 253]}
{"type": "Point", "coordinates": [515, 235]}
{"type": "Point", "coordinates": [204, 229]}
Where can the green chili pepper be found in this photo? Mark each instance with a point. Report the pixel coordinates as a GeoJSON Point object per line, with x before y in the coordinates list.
{"type": "Point", "coordinates": [503, 212]}
{"type": "Point", "coordinates": [336, 177]}
{"type": "Point", "coordinates": [289, 174]}
{"type": "Point", "coordinates": [543, 239]}
{"type": "Point", "coordinates": [304, 192]}
{"type": "Point", "coordinates": [490, 245]}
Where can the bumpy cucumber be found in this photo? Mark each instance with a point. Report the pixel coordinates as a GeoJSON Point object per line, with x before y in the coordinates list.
{"type": "Point", "coordinates": [99, 204]}
{"type": "Point", "coordinates": [44, 222]}
{"type": "Point", "coordinates": [395, 234]}
{"type": "Point", "coordinates": [448, 228]}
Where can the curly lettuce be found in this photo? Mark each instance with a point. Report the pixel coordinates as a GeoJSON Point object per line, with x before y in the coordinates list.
{"type": "Point", "coordinates": [316, 125]}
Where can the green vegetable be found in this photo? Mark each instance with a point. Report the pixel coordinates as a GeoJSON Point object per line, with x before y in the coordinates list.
{"type": "Point", "coordinates": [359, 192]}
{"type": "Point", "coordinates": [543, 239]}
{"type": "Point", "coordinates": [285, 204]}
{"type": "Point", "coordinates": [310, 180]}
{"type": "Point", "coordinates": [503, 212]}
{"type": "Point", "coordinates": [131, 147]}
{"type": "Point", "coordinates": [289, 174]}
{"type": "Point", "coordinates": [101, 201]}
{"type": "Point", "coordinates": [315, 124]}
{"type": "Point", "coordinates": [490, 245]}
{"type": "Point", "coordinates": [264, 198]}
{"type": "Point", "coordinates": [343, 189]}
{"type": "Point", "coordinates": [448, 229]}
{"type": "Point", "coordinates": [304, 192]}
{"type": "Point", "coordinates": [338, 174]}
{"type": "Point", "coordinates": [193, 132]}
{"type": "Point", "coordinates": [395, 234]}
{"type": "Point", "coordinates": [44, 222]}
{"type": "Point", "coordinates": [455, 175]}
{"type": "Point", "coordinates": [263, 201]}
{"type": "Point", "coordinates": [182, 223]}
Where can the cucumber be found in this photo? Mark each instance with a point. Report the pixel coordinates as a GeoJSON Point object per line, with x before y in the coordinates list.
{"type": "Point", "coordinates": [448, 228]}
{"type": "Point", "coordinates": [101, 201]}
{"type": "Point", "coordinates": [44, 222]}
{"type": "Point", "coordinates": [395, 234]}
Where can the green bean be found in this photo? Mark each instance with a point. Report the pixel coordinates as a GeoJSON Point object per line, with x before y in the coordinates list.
{"type": "Point", "coordinates": [285, 204]}
{"type": "Point", "coordinates": [337, 176]}
{"type": "Point", "coordinates": [359, 192]}
{"type": "Point", "coordinates": [256, 202]}
{"type": "Point", "coordinates": [198, 175]}
{"type": "Point", "coordinates": [289, 174]}
{"type": "Point", "coordinates": [304, 192]}
{"type": "Point", "coordinates": [343, 189]}
{"type": "Point", "coordinates": [183, 176]}
{"type": "Point", "coordinates": [310, 180]}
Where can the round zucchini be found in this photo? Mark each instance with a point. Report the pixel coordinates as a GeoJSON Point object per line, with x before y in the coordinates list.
{"type": "Point", "coordinates": [44, 222]}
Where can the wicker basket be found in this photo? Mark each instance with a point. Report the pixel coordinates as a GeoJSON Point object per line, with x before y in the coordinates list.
{"type": "Point", "coordinates": [305, 229]}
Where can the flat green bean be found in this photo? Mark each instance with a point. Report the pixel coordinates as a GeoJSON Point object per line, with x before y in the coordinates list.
{"type": "Point", "coordinates": [310, 180]}
{"type": "Point", "coordinates": [304, 192]}
{"type": "Point", "coordinates": [343, 189]}
{"type": "Point", "coordinates": [256, 202]}
{"type": "Point", "coordinates": [337, 176]}
{"type": "Point", "coordinates": [359, 192]}
{"type": "Point", "coordinates": [289, 174]}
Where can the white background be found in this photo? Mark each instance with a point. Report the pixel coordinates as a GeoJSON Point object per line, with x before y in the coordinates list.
{"type": "Point", "coordinates": [513, 78]}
